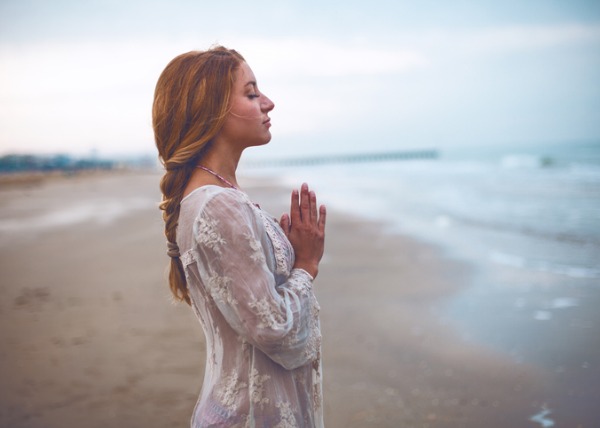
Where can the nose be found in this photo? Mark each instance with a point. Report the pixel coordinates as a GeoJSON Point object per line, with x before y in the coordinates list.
{"type": "Point", "coordinates": [267, 105]}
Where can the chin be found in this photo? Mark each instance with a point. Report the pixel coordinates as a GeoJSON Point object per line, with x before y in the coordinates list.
{"type": "Point", "coordinates": [265, 141]}
{"type": "Point", "coordinates": [260, 143]}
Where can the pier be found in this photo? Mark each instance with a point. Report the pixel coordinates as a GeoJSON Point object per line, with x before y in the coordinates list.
{"type": "Point", "coordinates": [345, 158]}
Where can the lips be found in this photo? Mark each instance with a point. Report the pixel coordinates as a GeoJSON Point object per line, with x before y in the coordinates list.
{"type": "Point", "coordinates": [267, 122]}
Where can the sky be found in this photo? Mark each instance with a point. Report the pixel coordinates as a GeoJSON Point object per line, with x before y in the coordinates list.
{"type": "Point", "coordinates": [78, 77]}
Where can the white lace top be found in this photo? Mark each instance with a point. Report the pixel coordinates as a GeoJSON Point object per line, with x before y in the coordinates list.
{"type": "Point", "coordinates": [259, 316]}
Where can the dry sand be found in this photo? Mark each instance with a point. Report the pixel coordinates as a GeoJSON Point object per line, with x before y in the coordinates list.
{"type": "Point", "coordinates": [90, 337]}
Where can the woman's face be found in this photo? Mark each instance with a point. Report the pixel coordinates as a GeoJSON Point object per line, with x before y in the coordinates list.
{"type": "Point", "coordinates": [247, 123]}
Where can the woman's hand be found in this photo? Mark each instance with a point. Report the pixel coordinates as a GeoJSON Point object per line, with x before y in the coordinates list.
{"type": "Point", "coordinates": [305, 228]}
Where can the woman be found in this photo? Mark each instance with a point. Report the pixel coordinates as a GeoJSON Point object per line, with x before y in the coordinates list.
{"type": "Point", "coordinates": [247, 277]}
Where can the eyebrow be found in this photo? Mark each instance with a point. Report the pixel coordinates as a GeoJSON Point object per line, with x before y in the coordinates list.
{"type": "Point", "coordinates": [252, 82]}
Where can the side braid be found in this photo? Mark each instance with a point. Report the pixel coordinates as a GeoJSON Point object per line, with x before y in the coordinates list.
{"type": "Point", "coordinates": [172, 186]}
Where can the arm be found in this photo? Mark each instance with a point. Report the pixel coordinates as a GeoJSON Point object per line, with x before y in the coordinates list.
{"type": "Point", "coordinates": [282, 321]}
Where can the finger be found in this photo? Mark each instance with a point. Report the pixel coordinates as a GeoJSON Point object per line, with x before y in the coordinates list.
{"type": "Point", "coordinates": [313, 207]}
{"type": "Point", "coordinates": [285, 224]}
{"type": "Point", "coordinates": [304, 203]}
{"type": "Point", "coordinates": [322, 218]}
{"type": "Point", "coordinates": [294, 209]}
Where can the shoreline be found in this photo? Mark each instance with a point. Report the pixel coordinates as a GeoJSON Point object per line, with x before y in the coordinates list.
{"type": "Point", "coordinates": [92, 340]}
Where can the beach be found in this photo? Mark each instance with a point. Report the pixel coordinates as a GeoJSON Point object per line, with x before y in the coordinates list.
{"type": "Point", "coordinates": [90, 335]}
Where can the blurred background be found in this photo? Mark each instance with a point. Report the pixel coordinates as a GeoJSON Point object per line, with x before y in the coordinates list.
{"type": "Point", "coordinates": [78, 77]}
{"type": "Point", "coordinates": [458, 143]}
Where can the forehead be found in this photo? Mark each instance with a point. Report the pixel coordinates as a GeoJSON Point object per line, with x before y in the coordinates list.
{"type": "Point", "coordinates": [244, 76]}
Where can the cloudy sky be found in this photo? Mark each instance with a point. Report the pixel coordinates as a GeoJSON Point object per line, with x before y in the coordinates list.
{"type": "Point", "coordinates": [78, 76]}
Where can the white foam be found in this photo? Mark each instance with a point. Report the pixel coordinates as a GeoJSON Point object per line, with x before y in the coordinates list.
{"type": "Point", "coordinates": [564, 302]}
{"type": "Point", "coordinates": [542, 418]}
{"type": "Point", "coordinates": [507, 259]}
{"type": "Point", "coordinates": [574, 271]}
{"type": "Point", "coordinates": [512, 260]}
{"type": "Point", "coordinates": [542, 315]}
{"type": "Point", "coordinates": [443, 221]}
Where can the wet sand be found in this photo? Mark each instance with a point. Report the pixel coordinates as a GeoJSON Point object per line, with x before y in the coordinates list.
{"type": "Point", "coordinates": [90, 337]}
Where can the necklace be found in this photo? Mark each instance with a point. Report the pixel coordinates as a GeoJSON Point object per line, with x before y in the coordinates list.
{"type": "Point", "coordinates": [223, 179]}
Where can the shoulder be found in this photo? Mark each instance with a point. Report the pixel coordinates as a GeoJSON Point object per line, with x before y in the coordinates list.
{"type": "Point", "coordinates": [220, 204]}
{"type": "Point", "coordinates": [211, 197]}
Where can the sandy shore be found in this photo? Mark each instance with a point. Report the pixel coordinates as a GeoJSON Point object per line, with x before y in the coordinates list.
{"type": "Point", "coordinates": [90, 338]}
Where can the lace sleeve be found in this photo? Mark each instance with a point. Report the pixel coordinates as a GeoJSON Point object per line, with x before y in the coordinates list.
{"type": "Point", "coordinates": [280, 320]}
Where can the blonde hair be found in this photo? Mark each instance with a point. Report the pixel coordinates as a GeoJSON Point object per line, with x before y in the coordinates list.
{"type": "Point", "coordinates": [191, 101]}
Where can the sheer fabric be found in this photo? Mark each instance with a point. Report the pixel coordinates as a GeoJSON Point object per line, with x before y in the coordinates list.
{"type": "Point", "coordinates": [260, 317]}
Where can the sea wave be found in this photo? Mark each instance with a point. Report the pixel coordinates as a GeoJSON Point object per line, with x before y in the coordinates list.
{"type": "Point", "coordinates": [521, 229]}
{"type": "Point", "coordinates": [520, 262]}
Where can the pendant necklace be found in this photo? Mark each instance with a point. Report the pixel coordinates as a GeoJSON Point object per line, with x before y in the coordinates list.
{"type": "Point", "coordinates": [223, 179]}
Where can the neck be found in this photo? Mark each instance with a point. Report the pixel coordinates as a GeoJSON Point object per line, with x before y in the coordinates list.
{"type": "Point", "coordinates": [222, 162]}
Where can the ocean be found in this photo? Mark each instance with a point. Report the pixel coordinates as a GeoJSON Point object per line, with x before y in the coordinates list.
{"type": "Point", "coordinates": [525, 218]}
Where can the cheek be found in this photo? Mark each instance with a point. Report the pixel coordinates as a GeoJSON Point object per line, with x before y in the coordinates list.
{"type": "Point", "coordinates": [247, 110]}
{"type": "Point", "coordinates": [251, 113]}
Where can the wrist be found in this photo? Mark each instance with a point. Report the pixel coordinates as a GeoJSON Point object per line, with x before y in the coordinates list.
{"type": "Point", "coordinates": [309, 268]}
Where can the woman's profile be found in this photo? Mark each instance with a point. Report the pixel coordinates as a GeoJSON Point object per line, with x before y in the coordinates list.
{"type": "Point", "coordinates": [247, 276]}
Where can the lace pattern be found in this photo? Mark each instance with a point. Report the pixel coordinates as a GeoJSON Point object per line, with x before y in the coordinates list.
{"type": "Point", "coordinates": [219, 287]}
{"type": "Point", "coordinates": [256, 250]}
{"type": "Point", "coordinates": [232, 386]}
{"type": "Point", "coordinates": [260, 316]}
{"type": "Point", "coordinates": [282, 249]}
{"type": "Point", "coordinates": [257, 388]}
{"type": "Point", "coordinates": [207, 234]}
{"type": "Point", "coordinates": [287, 416]}
{"type": "Point", "coordinates": [266, 315]}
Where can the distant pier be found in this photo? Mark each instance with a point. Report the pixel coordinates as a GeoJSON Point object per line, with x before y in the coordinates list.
{"type": "Point", "coordinates": [346, 158]}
